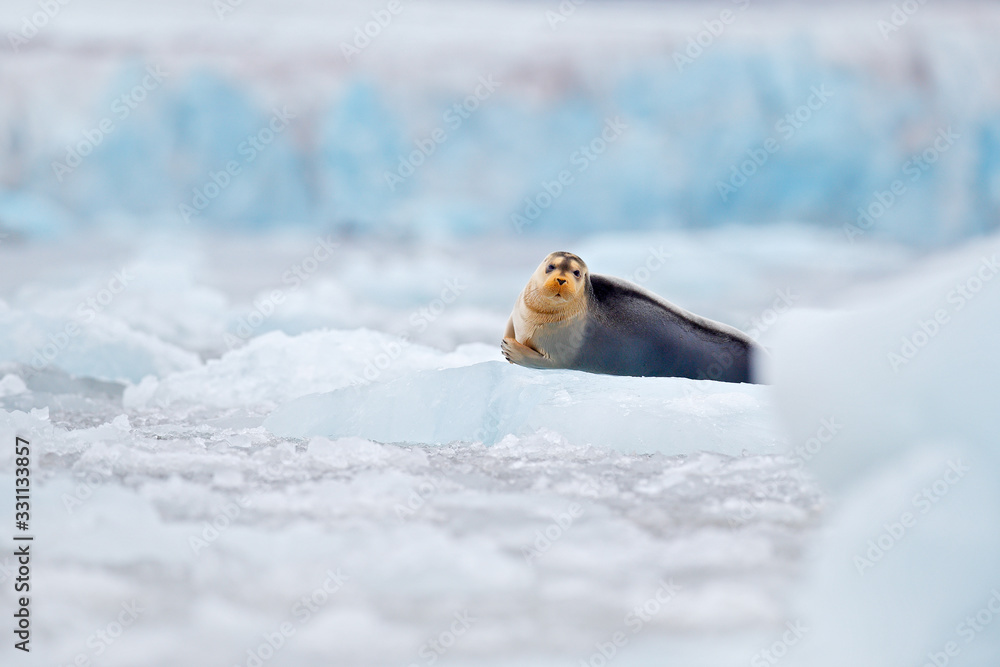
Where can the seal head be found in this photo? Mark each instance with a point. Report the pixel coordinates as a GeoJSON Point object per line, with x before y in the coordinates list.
{"type": "Point", "coordinates": [547, 326]}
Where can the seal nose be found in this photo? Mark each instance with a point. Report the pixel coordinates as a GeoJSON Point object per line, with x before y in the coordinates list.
{"type": "Point", "coordinates": [561, 281]}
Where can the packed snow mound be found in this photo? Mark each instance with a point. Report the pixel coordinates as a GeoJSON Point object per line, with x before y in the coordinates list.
{"type": "Point", "coordinates": [487, 401]}
{"type": "Point", "coordinates": [914, 362]}
{"type": "Point", "coordinates": [86, 343]}
{"type": "Point", "coordinates": [275, 368]}
{"type": "Point", "coordinates": [896, 399]}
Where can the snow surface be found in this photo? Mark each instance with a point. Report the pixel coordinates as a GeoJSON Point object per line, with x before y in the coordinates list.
{"type": "Point", "coordinates": [216, 497]}
{"type": "Point", "coordinates": [136, 458]}
{"type": "Point", "coordinates": [290, 415]}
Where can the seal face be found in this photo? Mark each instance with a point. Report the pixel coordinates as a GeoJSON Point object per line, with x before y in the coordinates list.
{"type": "Point", "coordinates": [568, 318]}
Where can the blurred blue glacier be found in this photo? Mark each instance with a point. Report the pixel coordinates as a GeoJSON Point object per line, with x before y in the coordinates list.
{"type": "Point", "coordinates": [815, 124]}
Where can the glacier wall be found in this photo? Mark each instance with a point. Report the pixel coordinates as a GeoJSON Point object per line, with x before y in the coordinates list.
{"type": "Point", "coordinates": [501, 119]}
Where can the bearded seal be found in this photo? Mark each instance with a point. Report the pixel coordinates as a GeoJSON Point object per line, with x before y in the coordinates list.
{"type": "Point", "coordinates": [568, 318]}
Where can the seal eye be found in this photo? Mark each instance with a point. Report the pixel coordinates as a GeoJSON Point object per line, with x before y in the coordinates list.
{"type": "Point", "coordinates": [577, 273]}
{"type": "Point", "coordinates": [550, 268]}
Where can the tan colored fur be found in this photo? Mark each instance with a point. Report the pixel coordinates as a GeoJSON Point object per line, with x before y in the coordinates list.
{"type": "Point", "coordinates": [548, 311]}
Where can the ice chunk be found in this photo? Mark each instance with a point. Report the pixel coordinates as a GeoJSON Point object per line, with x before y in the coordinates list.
{"type": "Point", "coordinates": [486, 401]}
{"type": "Point", "coordinates": [899, 572]}
{"type": "Point", "coordinates": [93, 346]}
{"type": "Point", "coordinates": [895, 402]}
{"type": "Point", "coordinates": [915, 362]}
{"type": "Point", "coordinates": [275, 368]}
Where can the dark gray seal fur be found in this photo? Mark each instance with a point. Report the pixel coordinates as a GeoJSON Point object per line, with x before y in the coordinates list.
{"type": "Point", "coordinates": [631, 331]}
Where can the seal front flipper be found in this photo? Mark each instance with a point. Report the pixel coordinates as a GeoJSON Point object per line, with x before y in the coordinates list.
{"type": "Point", "coordinates": [522, 355]}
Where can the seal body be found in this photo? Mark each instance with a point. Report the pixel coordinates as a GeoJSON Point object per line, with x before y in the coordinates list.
{"type": "Point", "coordinates": [568, 318]}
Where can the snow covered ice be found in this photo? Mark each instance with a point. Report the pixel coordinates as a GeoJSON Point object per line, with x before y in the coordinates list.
{"type": "Point", "coordinates": [235, 518]}
{"type": "Point", "coordinates": [487, 401]}
{"type": "Point", "coordinates": [250, 477]}
{"type": "Point", "coordinates": [913, 546]}
{"type": "Point", "coordinates": [279, 430]}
